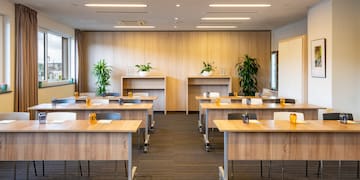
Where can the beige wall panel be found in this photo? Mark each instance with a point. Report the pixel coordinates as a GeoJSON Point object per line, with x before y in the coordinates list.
{"type": "Point", "coordinates": [9, 105]}
{"type": "Point", "coordinates": [45, 95]}
{"type": "Point", "coordinates": [176, 55]}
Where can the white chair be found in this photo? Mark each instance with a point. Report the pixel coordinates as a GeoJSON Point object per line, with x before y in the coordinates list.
{"type": "Point", "coordinates": [141, 94]}
{"type": "Point", "coordinates": [100, 101]}
{"type": "Point", "coordinates": [14, 116]}
{"type": "Point", "coordinates": [61, 116]}
{"type": "Point", "coordinates": [214, 94]}
{"type": "Point", "coordinates": [286, 115]}
{"type": "Point", "coordinates": [253, 101]}
{"type": "Point", "coordinates": [225, 100]}
{"type": "Point", "coordinates": [256, 101]}
{"type": "Point", "coordinates": [268, 92]}
{"type": "Point", "coordinates": [244, 101]}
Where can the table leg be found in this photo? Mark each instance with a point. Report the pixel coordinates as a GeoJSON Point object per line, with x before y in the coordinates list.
{"type": "Point", "coordinates": [226, 166]}
{"type": "Point", "coordinates": [199, 122]}
{"type": "Point", "coordinates": [129, 169]}
{"type": "Point", "coordinates": [206, 135]}
{"type": "Point", "coordinates": [147, 136]}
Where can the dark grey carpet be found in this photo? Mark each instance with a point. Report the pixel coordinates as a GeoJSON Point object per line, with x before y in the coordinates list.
{"type": "Point", "coordinates": [177, 152]}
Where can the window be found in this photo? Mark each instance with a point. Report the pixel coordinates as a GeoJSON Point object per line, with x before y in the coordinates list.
{"type": "Point", "coordinates": [53, 57]}
{"type": "Point", "coordinates": [2, 56]}
{"type": "Point", "coordinates": [5, 51]}
{"type": "Point", "coordinates": [274, 70]}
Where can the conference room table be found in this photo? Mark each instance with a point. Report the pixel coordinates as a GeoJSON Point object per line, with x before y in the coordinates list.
{"type": "Point", "coordinates": [127, 111]}
{"type": "Point", "coordinates": [282, 140]}
{"type": "Point", "coordinates": [263, 111]}
{"type": "Point", "coordinates": [68, 140]}
{"type": "Point", "coordinates": [231, 99]}
{"type": "Point", "coordinates": [115, 99]}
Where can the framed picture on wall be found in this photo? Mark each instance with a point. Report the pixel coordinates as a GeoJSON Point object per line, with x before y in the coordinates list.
{"type": "Point", "coordinates": [318, 58]}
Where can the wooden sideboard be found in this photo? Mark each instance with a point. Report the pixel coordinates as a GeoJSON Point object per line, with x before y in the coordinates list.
{"type": "Point", "coordinates": [154, 85]}
{"type": "Point", "coordinates": [197, 85]}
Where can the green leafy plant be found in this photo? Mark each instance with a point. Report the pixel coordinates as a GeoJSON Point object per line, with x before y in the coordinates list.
{"type": "Point", "coordinates": [102, 71]}
{"type": "Point", "coordinates": [144, 67]}
{"type": "Point", "coordinates": [208, 67]}
{"type": "Point", "coordinates": [247, 71]}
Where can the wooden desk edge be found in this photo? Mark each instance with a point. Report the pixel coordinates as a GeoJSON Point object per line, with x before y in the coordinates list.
{"type": "Point", "coordinates": [223, 126]}
{"type": "Point", "coordinates": [131, 127]}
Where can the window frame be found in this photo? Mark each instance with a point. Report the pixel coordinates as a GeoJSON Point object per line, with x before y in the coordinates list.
{"type": "Point", "coordinates": [274, 73]}
{"type": "Point", "coordinates": [2, 48]}
{"type": "Point", "coordinates": [67, 77]}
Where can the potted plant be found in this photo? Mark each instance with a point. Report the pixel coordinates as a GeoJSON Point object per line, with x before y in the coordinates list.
{"type": "Point", "coordinates": [102, 71]}
{"type": "Point", "coordinates": [208, 69]}
{"type": "Point", "coordinates": [247, 71]}
{"type": "Point", "coordinates": [3, 87]}
{"type": "Point", "coordinates": [143, 69]}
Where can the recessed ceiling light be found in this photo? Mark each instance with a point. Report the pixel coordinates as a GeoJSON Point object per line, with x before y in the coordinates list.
{"type": "Point", "coordinates": [176, 18]}
{"type": "Point", "coordinates": [215, 27]}
{"type": "Point", "coordinates": [177, 5]}
{"type": "Point", "coordinates": [240, 5]}
{"type": "Point", "coordinates": [116, 5]}
{"type": "Point", "coordinates": [134, 27]}
{"type": "Point", "coordinates": [225, 18]}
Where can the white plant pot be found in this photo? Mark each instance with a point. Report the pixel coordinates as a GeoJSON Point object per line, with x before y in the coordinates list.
{"type": "Point", "coordinates": [143, 73]}
{"type": "Point", "coordinates": [207, 73]}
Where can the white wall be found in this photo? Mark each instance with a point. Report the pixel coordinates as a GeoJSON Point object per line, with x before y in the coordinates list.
{"type": "Point", "coordinates": [346, 49]}
{"type": "Point", "coordinates": [49, 24]}
{"type": "Point", "coordinates": [293, 29]}
{"type": "Point", "coordinates": [320, 26]}
{"type": "Point", "coordinates": [292, 69]}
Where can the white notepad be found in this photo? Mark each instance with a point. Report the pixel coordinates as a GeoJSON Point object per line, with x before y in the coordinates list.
{"type": "Point", "coordinates": [128, 104]}
{"type": "Point", "coordinates": [254, 121]}
{"type": "Point", "coordinates": [104, 121]}
{"type": "Point", "coordinates": [6, 121]}
{"type": "Point", "coordinates": [57, 121]}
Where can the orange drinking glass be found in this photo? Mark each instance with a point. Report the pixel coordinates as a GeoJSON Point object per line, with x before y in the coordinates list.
{"type": "Point", "coordinates": [293, 118]}
{"type": "Point", "coordinates": [130, 93]}
{"type": "Point", "coordinates": [92, 118]}
{"type": "Point", "coordinates": [88, 101]}
{"type": "Point", "coordinates": [76, 94]}
{"type": "Point", "coordinates": [217, 101]}
{"type": "Point", "coordinates": [282, 101]}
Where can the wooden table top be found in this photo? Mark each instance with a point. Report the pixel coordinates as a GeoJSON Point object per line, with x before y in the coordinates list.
{"type": "Point", "coordinates": [69, 126]}
{"type": "Point", "coordinates": [144, 77]}
{"type": "Point", "coordinates": [235, 97]}
{"type": "Point", "coordinates": [143, 98]}
{"type": "Point", "coordinates": [215, 76]}
{"type": "Point", "coordinates": [78, 106]}
{"type": "Point", "coordinates": [260, 106]}
{"type": "Point", "coordinates": [332, 126]}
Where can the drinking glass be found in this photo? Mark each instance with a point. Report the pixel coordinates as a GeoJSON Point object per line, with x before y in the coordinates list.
{"type": "Point", "coordinates": [282, 101]}
{"type": "Point", "coordinates": [293, 118]}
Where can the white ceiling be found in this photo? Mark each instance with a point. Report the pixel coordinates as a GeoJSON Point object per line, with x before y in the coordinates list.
{"type": "Point", "coordinates": [161, 13]}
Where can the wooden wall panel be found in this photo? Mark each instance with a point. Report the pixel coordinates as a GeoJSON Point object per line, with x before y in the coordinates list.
{"type": "Point", "coordinates": [176, 55]}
